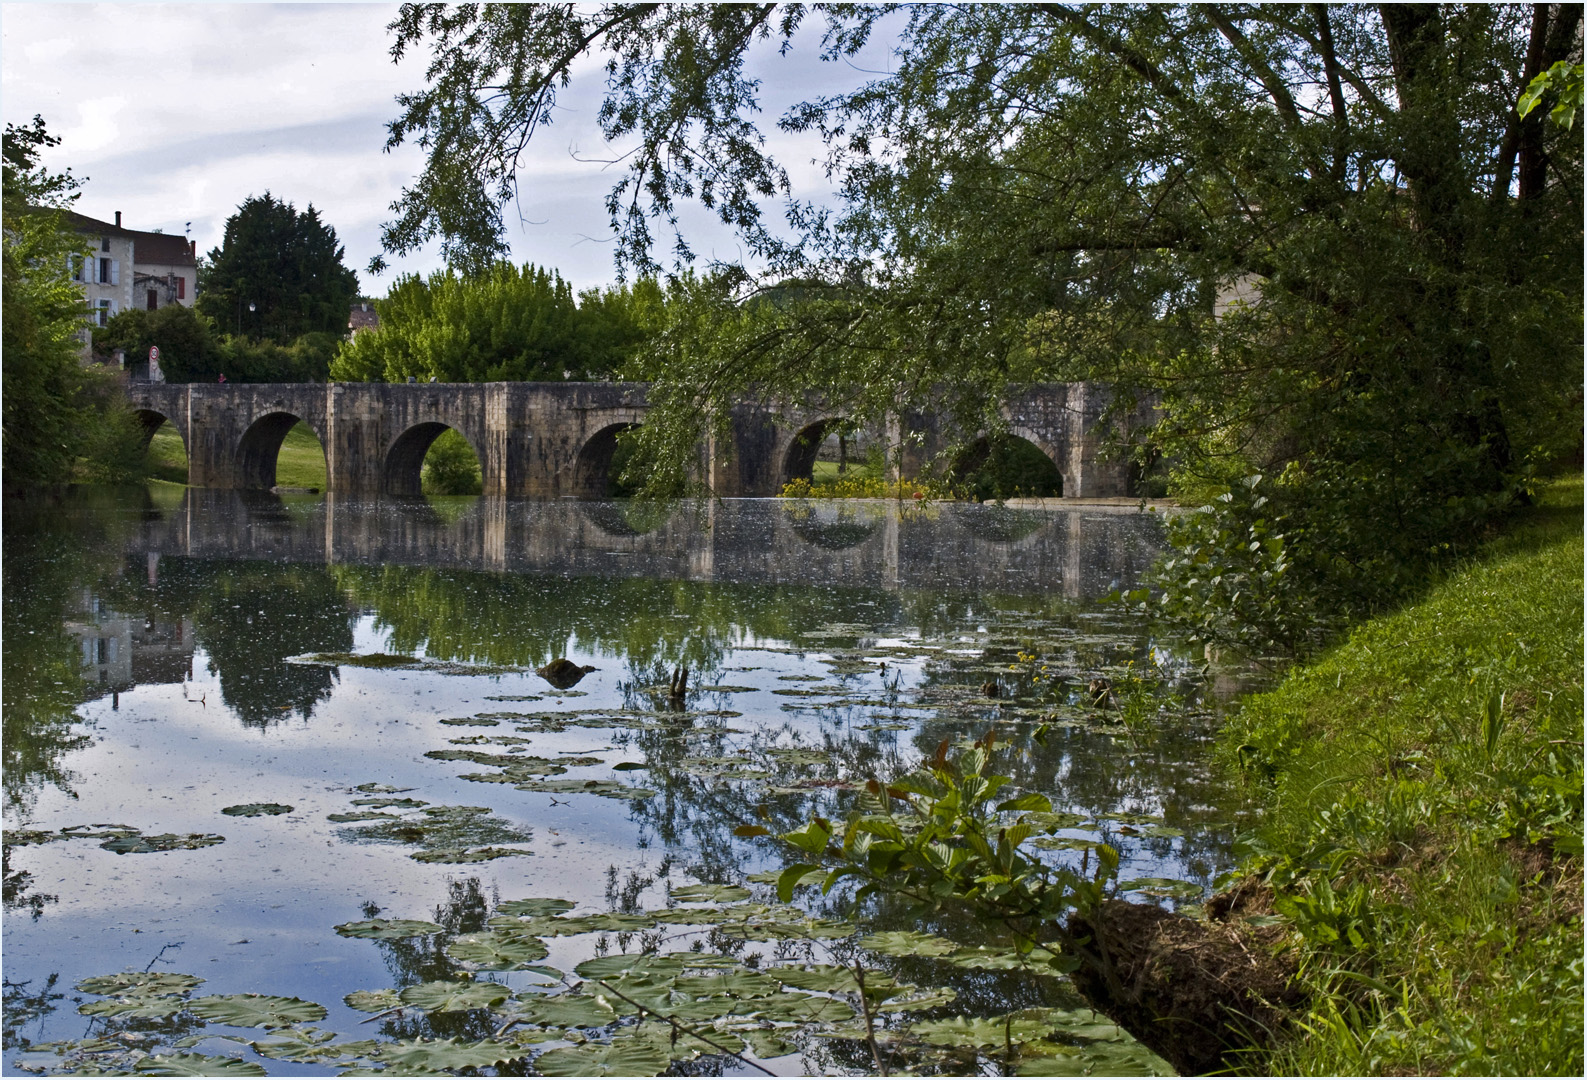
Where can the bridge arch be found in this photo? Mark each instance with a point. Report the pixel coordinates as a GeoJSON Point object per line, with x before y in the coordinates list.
{"type": "Point", "coordinates": [260, 447]}
{"type": "Point", "coordinates": [152, 420]}
{"type": "Point", "coordinates": [402, 471]}
{"type": "Point", "coordinates": [596, 468]}
{"type": "Point", "coordinates": [1041, 477]}
{"type": "Point", "coordinates": [799, 460]}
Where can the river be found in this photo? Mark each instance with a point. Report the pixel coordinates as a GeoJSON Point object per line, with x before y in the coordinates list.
{"type": "Point", "coordinates": [206, 774]}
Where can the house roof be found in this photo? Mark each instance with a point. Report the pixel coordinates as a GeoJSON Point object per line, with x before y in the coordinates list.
{"type": "Point", "coordinates": [158, 249]}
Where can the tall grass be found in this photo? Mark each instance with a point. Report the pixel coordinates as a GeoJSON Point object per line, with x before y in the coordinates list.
{"type": "Point", "coordinates": [1424, 837]}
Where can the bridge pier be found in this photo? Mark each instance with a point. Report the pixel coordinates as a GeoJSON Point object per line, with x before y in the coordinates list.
{"type": "Point", "coordinates": [550, 440]}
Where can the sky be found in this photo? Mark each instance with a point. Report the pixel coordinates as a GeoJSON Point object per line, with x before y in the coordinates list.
{"type": "Point", "coordinates": [176, 113]}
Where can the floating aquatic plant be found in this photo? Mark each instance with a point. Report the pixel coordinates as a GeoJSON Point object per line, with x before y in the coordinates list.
{"type": "Point", "coordinates": [257, 809]}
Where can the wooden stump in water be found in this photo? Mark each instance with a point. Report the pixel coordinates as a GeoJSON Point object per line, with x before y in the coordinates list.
{"type": "Point", "coordinates": [1200, 994]}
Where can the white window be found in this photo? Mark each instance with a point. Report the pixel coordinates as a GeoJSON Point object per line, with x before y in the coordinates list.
{"type": "Point", "coordinates": [104, 312]}
{"type": "Point", "coordinates": [109, 271]}
{"type": "Point", "coordinates": [77, 266]}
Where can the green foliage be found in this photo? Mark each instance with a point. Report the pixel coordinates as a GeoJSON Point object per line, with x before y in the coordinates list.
{"type": "Point", "coordinates": [500, 323]}
{"type": "Point", "coordinates": [58, 419]}
{"type": "Point", "coordinates": [451, 467]}
{"type": "Point", "coordinates": [1424, 837]}
{"type": "Point", "coordinates": [191, 350]}
{"type": "Point", "coordinates": [1564, 81]}
{"type": "Point", "coordinates": [1047, 192]}
{"type": "Point", "coordinates": [941, 838]}
{"type": "Point", "coordinates": [277, 275]}
{"type": "Point", "coordinates": [188, 348]}
{"type": "Point", "coordinates": [256, 1010]}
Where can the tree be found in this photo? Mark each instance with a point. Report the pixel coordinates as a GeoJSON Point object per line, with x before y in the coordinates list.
{"type": "Point", "coordinates": [1047, 191]}
{"type": "Point", "coordinates": [277, 275]}
{"type": "Point", "coordinates": [498, 323]}
{"type": "Point", "coordinates": [60, 418]}
{"type": "Point", "coordinates": [188, 350]}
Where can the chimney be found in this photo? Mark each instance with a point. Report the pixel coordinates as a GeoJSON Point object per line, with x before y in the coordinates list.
{"type": "Point", "coordinates": [192, 248]}
{"type": "Point", "coordinates": [118, 219]}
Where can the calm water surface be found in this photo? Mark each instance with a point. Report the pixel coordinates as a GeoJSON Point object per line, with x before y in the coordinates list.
{"type": "Point", "coordinates": [155, 675]}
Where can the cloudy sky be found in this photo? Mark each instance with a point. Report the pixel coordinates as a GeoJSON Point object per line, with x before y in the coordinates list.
{"type": "Point", "coordinates": [178, 112]}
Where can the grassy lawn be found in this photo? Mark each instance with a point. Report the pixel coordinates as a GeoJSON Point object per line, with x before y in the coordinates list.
{"type": "Point", "coordinates": [301, 462]}
{"type": "Point", "coordinates": [1424, 832]}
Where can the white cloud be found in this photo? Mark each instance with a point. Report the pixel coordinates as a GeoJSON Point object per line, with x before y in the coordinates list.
{"type": "Point", "coordinates": [178, 112]}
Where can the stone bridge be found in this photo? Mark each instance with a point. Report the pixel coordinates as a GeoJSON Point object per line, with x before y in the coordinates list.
{"type": "Point", "coordinates": [548, 440]}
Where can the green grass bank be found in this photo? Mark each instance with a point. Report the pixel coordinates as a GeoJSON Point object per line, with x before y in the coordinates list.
{"type": "Point", "coordinates": [1424, 832]}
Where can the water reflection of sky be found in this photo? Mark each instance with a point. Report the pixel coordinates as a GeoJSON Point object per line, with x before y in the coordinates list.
{"type": "Point", "coordinates": [256, 912]}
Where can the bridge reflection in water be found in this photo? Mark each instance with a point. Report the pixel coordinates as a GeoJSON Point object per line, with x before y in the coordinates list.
{"type": "Point", "coordinates": [1082, 552]}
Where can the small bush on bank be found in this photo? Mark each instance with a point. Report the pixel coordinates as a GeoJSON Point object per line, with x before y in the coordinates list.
{"type": "Point", "coordinates": [450, 468]}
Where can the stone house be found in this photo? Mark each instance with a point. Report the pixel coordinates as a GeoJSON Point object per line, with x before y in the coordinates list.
{"type": "Point", "coordinates": [127, 268]}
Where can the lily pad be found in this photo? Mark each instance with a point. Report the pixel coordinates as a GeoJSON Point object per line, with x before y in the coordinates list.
{"type": "Point", "coordinates": [409, 1055]}
{"type": "Point", "coordinates": [454, 996]}
{"type": "Point", "coordinates": [256, 1010]}
{"type": "Point", "coordinates": [197, 1065]}
{"type": "Point", "coordinates": [535, 906]}
{"type": "Point", "coordinates": [138, 845]}
{"type": "Point", "coordinates": [907, 943]}
{"type": "Point", "coordinates": [565, 1010]}
{"type": "Point", "coordinates": [139, 1006]}
{"type": "Point", "coordinates": [471, 721]}
{"type": "Point", "coordinates": [623, 1057]}
{"type": "Point", "coordinates": [822, 978]}
{"type": "Point", "coordinates": [388, 929]}
{"type": "Point", "coordinates": [713, 894]}
{"type": "Point", "coordinates": [139, 982]}
{"type": "Point", "coordinates": [612, 967]}
{"type": "Point", "coordinates": [466, 855]}
{"type": "Point", "coordinates": [257, 809]}
{"type": "Point", "coordinates": [372, 1001]}
{"type": "Point", "coordinates": [496, 951]}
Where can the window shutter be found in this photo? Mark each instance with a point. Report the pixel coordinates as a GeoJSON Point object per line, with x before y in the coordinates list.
{"type": "Point", "coordinates": [115, 272]}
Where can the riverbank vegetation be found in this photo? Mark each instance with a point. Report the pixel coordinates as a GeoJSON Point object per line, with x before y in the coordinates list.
{"type": "Point", "coordinates": [1423, 839]}
{"type": "Point", "coordinates": [61, 420]}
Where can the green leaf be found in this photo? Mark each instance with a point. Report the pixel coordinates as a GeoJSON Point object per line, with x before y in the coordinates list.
{"type": "Point", "coordinates": [739, 984]}
{"type": "Point", "coordinates": [496, 951]}
{"type": "Point", "coordinates": [812, 838]}
{"type": "Point", "coordinates": [790, 878]}
{"type": "Point", "coordinates": [750, 831]}
{"type": "Point", "coordinates": [1031, 800]}
{"type": "Point", "coordinates": [564, 1010]}
{"type": "Point", "coordinates": [372, 1001]}
{"type": "Point", "coordinates": [613, 967]}
{"type": "Point", "coordinates": [256, 1010]}
{"type": "Point", "coordinates": [466, 855]}
{"type": "Point", "coordinates": [822, 978]}
{"type": "Point", "coordinates": [139, 982]}
{"type": "Point", "coordinates": [256, 809]}
{"type": "Point", "coordinates": [622, 1057]}
{"type": "Point", "coordinates": [439, 1054]}
{"type": "Point", "coordinates": [446, 996]}
{"type": "Point", "coordinates": [388, 929]}
{"type": "Point", "coordinates": [141, 1006]}
{"type": "Point", "coordinates": [907, 943]}
{"type": "Point", "coordinates": [715, 894]}
{"type": "Point", "coordinates": [197, 1065]}
{"type": "Point", "coordinates": [536, 907]}
{"type": "Point", "coordinates": [138, 845]}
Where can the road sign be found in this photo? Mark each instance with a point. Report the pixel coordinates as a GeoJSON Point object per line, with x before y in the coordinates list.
{"type": "Point", "coordinates": [154, 354]}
